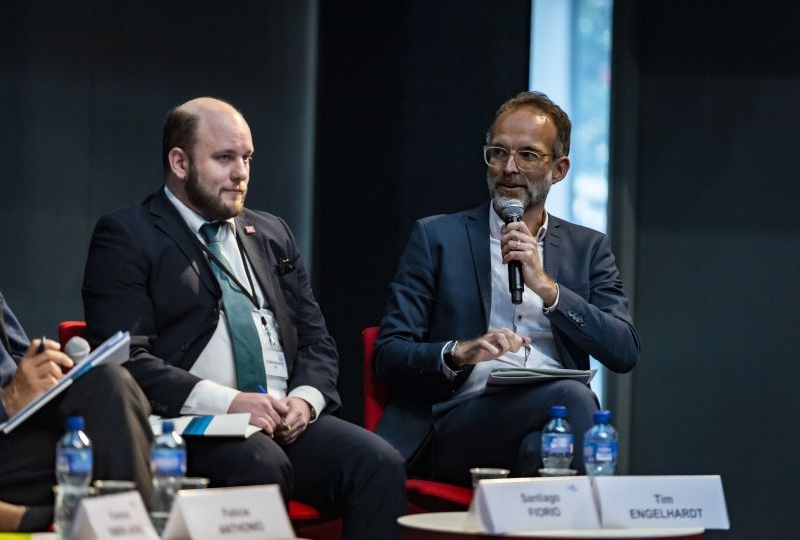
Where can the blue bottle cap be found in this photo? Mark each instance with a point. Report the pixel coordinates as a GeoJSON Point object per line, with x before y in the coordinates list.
{"type": "Point", "coordinates": [75, 423]}
{"type": "Point", "coordinates": [558, 411]}
{"type": "Point", "coordinates": [167, 426]}
{"type": "Point", "coordinates": [602, 417]}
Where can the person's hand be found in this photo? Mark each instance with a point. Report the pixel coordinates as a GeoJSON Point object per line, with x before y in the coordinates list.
{"type": "Point", "coordinates": [265, 411]}
{"type": "Point", "coordinates": [295, 421]}
{"type": "Point", "coordinates": [36, 373]}
{"type": "Point", "coordinates": [518, 244]}
{"type": "Point", "coordinates": [488, 347]}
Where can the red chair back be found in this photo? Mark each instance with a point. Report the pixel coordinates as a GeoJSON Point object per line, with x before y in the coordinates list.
{"type": "Point", "coordinates": [70, 329]}
{"type": "Point", "coordinates": [423, 495]}
{"type": "Point", "coordinates": [376, 396]}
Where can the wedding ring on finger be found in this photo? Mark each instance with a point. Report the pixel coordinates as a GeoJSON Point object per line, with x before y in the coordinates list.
{"type": "Point", "coordinates": [516, 247]}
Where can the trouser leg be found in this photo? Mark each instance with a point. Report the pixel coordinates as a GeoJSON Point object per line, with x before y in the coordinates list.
{"type": "Point", "coordinates": [349, 471]}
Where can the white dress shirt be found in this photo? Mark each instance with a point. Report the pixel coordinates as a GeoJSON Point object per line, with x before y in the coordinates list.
{"type": "Point", "coordinates": [526, 319]}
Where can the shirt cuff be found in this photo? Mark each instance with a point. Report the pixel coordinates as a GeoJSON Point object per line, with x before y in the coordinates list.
{"type": "Point", "coordinates": [313, 397]}
{"type": "Point", "coordinates": [552, 308]}
{"type": "Point", "coordinates": [208, 397]}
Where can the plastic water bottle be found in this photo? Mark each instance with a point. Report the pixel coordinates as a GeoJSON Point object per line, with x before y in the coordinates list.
{"type": "Point", "coordinates": [168, 465]}
{"type": "Point", "coordinates": [600, 446]}
{"type": "Point", "coordinates": [73, 474]}
{"type": "Point", "coordinates": [557, 440]}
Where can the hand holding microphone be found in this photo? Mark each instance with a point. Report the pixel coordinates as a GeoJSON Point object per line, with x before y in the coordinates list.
{"type": "Point", "coordinates": [512, 211]}
{"type": "Point", "coordinates": [524, 264]}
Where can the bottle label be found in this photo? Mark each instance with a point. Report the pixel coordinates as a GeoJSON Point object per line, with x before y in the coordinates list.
{"type": "Point", "coordinates": [76, 462]}
{"type": "Point", "coordinates": [600, 452]}
{"type": "Point", "coordinates": [557, 443]}
{"type": "Point", "coordinates": [168, 462]}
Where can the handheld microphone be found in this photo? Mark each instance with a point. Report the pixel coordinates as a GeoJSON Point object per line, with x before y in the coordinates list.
{"type": "Point", "coordinates": [77, 348]}
{"type": "Point", "coordinates": [512, 210]}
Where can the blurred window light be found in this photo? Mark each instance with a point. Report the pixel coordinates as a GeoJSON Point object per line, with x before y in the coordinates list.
{"type": "Point", "coordinates": [571, 63]}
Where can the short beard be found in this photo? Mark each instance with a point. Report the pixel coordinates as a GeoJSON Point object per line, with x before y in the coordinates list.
{"type": "Point", "coordinates": [536, 192]}
{"type": "Point", "coordinates": [206, 202]}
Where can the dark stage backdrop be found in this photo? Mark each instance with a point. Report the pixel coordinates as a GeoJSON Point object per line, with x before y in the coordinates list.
{"type": "Point", "coordinates": [705, 129]}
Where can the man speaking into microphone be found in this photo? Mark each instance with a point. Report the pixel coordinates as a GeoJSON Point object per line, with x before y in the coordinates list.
{"type": "Point", "coordinates": [502, 285]}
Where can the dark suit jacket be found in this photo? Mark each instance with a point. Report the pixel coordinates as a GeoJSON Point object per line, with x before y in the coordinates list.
{"type": "Point", "coordinates": [146, 273]}
{"type": "Point", "coordinates": [442, 291]}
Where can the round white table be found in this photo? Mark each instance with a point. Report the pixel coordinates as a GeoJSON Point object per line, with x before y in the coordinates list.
{"type": "Point", "coordinates": [454, 526]}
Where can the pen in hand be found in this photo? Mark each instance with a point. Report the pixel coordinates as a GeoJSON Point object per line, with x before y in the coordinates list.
{"type": "Point", "coordinates": [283, 425]}
{"type": "Point", "coordinates": [41, 348]}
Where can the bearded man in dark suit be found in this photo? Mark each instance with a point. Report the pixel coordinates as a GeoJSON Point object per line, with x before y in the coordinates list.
{"type": "Point", "coordinates": [154, 270]}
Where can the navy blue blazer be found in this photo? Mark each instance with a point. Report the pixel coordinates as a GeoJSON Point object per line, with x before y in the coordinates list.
{"type": "Point", "coordinates": [442, 291]}
{"type": "Point", "coordinates": [146, 273]}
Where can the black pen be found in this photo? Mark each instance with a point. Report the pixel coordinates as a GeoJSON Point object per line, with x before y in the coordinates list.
{"type": "Point", "coordinates": [40, 350]}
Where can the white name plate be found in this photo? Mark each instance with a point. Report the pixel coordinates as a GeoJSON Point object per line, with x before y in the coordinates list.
{"type": "Point", "coordinates": [535, 504]}
{"type": "Point", "coordinates": [656, 502]}
{"type": "Point", "coordinates": [247, 512]}
{"type": "Point", "coordinates": [120, 516]}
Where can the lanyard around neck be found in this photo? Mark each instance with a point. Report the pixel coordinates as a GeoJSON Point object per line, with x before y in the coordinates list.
{"type": "Point", "coordinates": [224, 267]}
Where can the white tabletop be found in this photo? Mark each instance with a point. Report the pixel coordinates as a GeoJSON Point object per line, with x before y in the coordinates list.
{"type": "Point", "coordinates": [456, 522]}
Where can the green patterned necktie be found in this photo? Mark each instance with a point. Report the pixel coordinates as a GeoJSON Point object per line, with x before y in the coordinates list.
{"type": "Point", "coordinates": [250, 372]}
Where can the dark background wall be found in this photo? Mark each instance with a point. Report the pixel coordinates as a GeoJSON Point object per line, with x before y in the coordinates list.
{"type": "Point", "coordinates": [366, 117]}
{"type": "Point", "coordinates": [706, 120]}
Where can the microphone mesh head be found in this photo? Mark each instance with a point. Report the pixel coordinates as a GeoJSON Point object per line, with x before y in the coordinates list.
{"type": "Point", "coordinates": [511, 209]}
{"type": "Point", "coordinates": [77, 348]}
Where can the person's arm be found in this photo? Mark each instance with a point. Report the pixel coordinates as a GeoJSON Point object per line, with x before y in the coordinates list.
{"type": "Point", "coordinates": [15, 341]}
{"type": "Point", "coordinates": [403, 357]}
{"type": "Point", "coordinates": [409, 347]}
{"type": "Point", "coordinates": [117, 296]}
{"type": "Point", "coordinates": [13, 344]}
{"type": "Point", "coordinates": [596, 319]}
{"type": "Point", "coordinates": [315, 369]}
{"type": "Point", "coordinates": [599, 322]}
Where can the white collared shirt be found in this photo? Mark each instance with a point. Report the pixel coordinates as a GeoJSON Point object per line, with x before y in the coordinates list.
{"type": "Point", "coordinates": [526, 319]}
{"type": "Point", "coordinates": [215, 365]}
